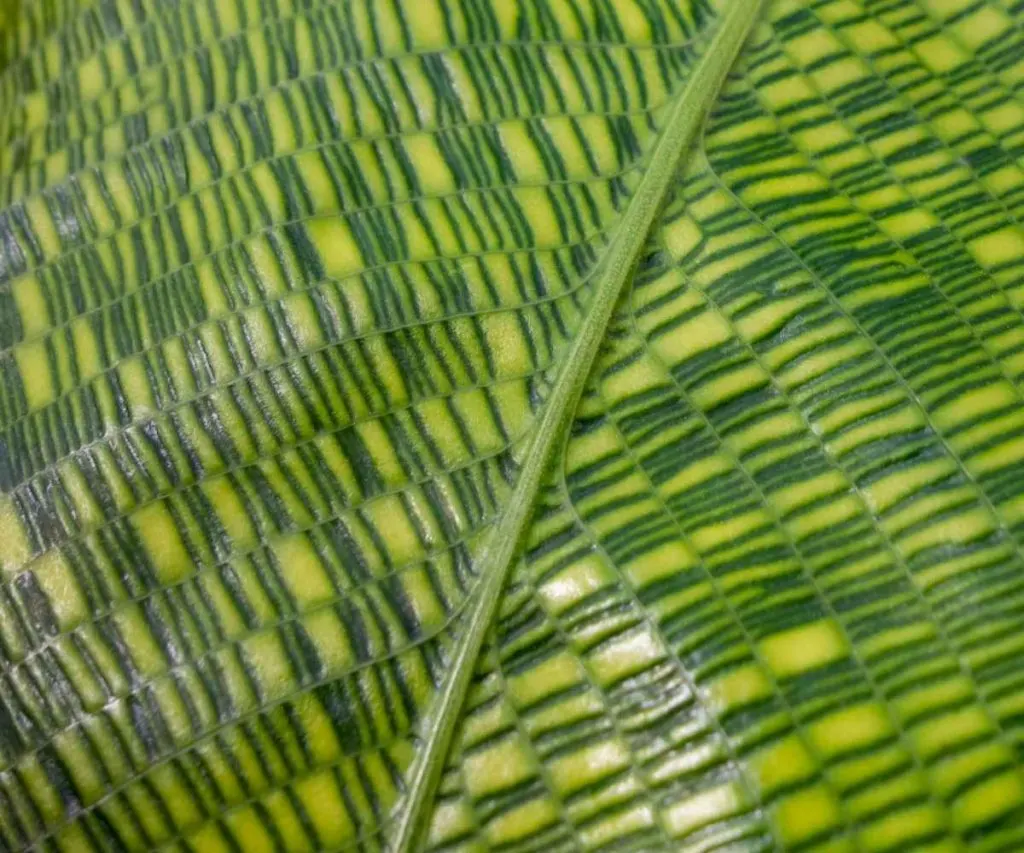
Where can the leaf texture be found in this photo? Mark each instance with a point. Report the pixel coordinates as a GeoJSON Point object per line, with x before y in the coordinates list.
{"type": "Point", "coordinates": [285, 289]}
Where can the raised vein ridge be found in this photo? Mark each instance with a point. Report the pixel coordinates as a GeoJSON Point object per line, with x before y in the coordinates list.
{"type": "Point", "coordinates": [685, 118]}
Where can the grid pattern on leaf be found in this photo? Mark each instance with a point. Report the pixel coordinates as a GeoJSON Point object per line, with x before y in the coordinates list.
{"type": "Point", "coordinates": [281, 285]}
{"type": "Point", "coordinates": [772, 599]}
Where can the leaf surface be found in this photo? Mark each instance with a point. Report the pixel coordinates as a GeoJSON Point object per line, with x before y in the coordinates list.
{"type": "Point", "coordinates": [288, 297]}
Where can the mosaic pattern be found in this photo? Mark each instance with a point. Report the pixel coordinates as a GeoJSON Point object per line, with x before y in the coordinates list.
{"type": "Point", "coordinates": [283, 290]}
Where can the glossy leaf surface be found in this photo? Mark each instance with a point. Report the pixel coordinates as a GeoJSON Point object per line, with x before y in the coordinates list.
{"type": "Point", "coordinates": [287, 288]}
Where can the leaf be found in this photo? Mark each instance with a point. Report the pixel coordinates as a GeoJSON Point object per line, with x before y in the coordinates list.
{"type": "Point", "coordinates": [286, 289]}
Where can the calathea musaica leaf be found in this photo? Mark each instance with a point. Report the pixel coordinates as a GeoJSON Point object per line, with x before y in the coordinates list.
{"type": "Point", "coordinates": [421, 430]}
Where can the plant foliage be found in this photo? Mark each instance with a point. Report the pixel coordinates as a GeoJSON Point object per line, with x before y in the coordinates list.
{"type": "Point", "coordinates": [421, 430]}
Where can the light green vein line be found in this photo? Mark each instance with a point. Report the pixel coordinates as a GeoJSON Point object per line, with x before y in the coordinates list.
{"type": "Point", "coordinates": [685, 119]}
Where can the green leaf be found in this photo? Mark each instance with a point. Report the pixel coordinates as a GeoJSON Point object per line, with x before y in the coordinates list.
{"type": "Point", "coordinates": [296, 302]}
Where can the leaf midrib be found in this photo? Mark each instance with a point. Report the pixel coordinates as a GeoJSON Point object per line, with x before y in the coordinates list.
{"type": "Point", "coordinates": [687, 113]}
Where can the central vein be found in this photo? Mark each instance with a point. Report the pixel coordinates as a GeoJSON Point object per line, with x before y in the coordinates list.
{"type": "Point", "coordinates": [685, 118]}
